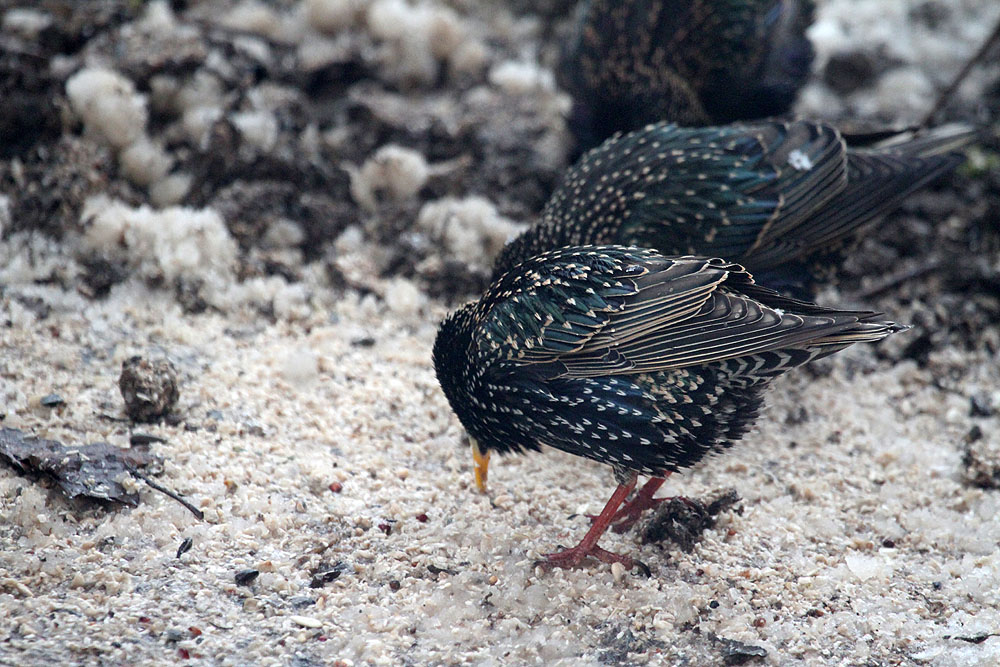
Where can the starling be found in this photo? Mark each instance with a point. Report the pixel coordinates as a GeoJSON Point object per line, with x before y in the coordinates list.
{"type": "Point", "coordinates": [627, 357]}
{"type": "Point", "coordinates": [693, 62]}
{"type": "Point", "coordinates": [781, 198]}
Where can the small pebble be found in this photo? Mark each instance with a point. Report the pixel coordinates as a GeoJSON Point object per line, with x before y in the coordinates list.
{"type": "Point", "coordinates": [175, 635]}
{"type": "Point", "coordinates": [503, 502]}
{"type": "Point", "coordinates": [739, 653]}
{"type": "Point", "coordinates": [326, 573]}
{"type": "Point", "coordinates": [306, 621]}
{"type": "Point", "coordinates": [52, 401]}
{"type": "Point", "coordinates": [144, 439]}
{"type": "Point", "coordinates": [246, 577]}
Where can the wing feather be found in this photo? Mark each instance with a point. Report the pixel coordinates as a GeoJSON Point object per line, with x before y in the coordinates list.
{"type": "Point", "coordinates": [603, 310]}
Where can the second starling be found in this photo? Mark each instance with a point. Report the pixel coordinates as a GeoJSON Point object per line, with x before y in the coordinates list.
{"type": "Point", "coordinates": [782, 199]}
{"type": "Point", "coordinates": [693, 62]}
{"type": "Point", "coordinates": [622, 355]}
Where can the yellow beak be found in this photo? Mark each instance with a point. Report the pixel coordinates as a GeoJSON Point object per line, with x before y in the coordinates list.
{"type": "Point", "coordinates": [482, 465]}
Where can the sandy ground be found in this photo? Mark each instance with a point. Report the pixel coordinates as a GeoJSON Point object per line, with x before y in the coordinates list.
{"type": "Point", "coordinates": [858, 542]}
{"type": "Point", "coordinates": [314, 437]}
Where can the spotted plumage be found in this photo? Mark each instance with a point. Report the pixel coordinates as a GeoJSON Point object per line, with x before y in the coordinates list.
{"type": "Point", "coordinates": [774, 196]}
{"type": "Point", "coordinates": [694, 62]}
{"type": "Point", "coordinates": [627, 357]}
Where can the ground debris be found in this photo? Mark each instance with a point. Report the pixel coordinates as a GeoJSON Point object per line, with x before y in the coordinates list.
{"type": "Point", "coordinates": [981, 461]}
{"type": "Point", "coordinates": [974, 639]}
{"type": "Point", "coordinates": [149, 388]}
{"type": "Point", "coordinates": [619, 643]}
{"type": "Point", "coordinates": [184, 547]}
{"type": "Point", "coordinates": [739, 653]}
{"type": "Point", "coordinates": [246, 577]}
{"type": "Point", "coordinates": [326, 573]}
{"type": "Point", "coordinates": [94, 471]}
{"type": "Point", "coordinates": [98, 471]}
{"type": "Point", "coordinates": [683, 520]}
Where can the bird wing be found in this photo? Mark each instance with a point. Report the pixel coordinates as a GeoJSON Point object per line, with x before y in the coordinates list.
{"type": "Point", "coordinates": [556, 301]}
{"type": "Point", "coordinates": [878, 181]}
{"type": "Point", "coordinates": [720, 323]}
{"type": "Point", "coordinates": [719, 191]}
{"type": "Point", "coordinates": [596, 311]}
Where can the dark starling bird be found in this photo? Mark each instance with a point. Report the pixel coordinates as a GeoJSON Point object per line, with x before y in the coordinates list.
{"type": "Point", "coordinates": [782, 199]}
{"type": "Point", "coordinates": [627, 357]}
{"type": "Point", "coordinates": [693, 62]}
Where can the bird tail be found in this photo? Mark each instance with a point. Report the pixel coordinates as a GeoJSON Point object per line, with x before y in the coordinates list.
{"type": "Point", "coordinates": [928, 143]}
{"type": "Point", "coordinates": [880, 178]}
{"type": "Point", "coordinates": [867, 329]}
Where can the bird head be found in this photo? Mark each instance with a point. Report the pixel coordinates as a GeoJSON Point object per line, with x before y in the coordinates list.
{"type": "Point", "coordinates": [451, 364]}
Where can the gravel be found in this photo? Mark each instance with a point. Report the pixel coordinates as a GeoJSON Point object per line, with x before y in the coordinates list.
{"type": "Point", "coordinates": [220, 230]}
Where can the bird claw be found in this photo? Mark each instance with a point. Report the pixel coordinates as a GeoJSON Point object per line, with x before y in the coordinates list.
{"type": "Point", "coordinates": [569, 558]}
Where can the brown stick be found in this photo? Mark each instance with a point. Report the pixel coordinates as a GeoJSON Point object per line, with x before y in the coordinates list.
{"type": "Point", "coordinates": [897, 279]}
{"type": "Point", "coordinates": [964, 72]}
{"type": "Point", "coordinates": [172, 494]}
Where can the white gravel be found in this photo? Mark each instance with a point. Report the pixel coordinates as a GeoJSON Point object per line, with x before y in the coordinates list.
{"type": "Point", "coordinates": [857, 542]}
{"type": "Point", "coordinates": [320, 436]}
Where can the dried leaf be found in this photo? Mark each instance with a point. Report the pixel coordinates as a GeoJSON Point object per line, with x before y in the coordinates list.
{"type": "Point", "coordinates": [93, 471]}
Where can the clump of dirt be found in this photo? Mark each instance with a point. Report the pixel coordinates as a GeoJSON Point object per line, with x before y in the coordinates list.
{"type": "Point", "coordinates": [268, 119]}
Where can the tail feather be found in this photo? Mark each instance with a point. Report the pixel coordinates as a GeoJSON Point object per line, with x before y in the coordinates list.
{"type": "Point", "coordinates": [926, 143]}
{"type": "Point", "coordinates": [879, 179]}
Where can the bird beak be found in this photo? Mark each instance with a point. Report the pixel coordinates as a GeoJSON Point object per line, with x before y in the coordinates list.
{"type": "Point", "coordinates": [482, 464]}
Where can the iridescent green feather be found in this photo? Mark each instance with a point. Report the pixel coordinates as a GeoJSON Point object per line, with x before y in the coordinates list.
{"type": "Point", "coordinates": [628, 357]}
{"type": "Point", "coordinates": [766, 194]}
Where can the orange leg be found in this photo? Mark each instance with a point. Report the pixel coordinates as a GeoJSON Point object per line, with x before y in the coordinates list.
{"type": "Point", "coordinates": [629, 513]}
{"type": "Point", "coordinates": [588, 545]}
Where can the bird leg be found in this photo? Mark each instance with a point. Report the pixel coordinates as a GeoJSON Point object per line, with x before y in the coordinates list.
{"type": "Point", "coordinates": [630, 512]}
{"type": "Point", "coordinates": [588, 545]}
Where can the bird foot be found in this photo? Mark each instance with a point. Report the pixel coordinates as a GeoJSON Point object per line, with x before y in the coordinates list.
{"type": "Point", "coordinates": [587, 548]}
{"type": "Point", "coordinates": [568, 558]}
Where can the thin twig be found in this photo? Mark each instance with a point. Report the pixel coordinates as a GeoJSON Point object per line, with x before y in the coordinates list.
{"type": "Point", "coordinates": [957, 81]}
{"type": "Point", "coordinates": [194, 510]}
{"type": "Point", "coordinates": [897, 279]}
